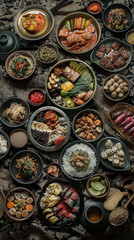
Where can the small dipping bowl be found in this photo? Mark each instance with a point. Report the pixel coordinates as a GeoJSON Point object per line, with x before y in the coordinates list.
{"type": "Point", "coordinates": [103, 177]}
{"type": "Point", "coordinates": [127, 35]}
{"type": "Point", "coordinates": [94, 214]}
{"type": "Point", "coordinates": [36, 104]}
{"type": "Point", "coordinates": [91, 3]}
{"type": "Point", "coordinates": [18, 138]}
{"type": "Point", "coordinates": [53, 164]}
{"type": "Point", "coordinates": [51, 46]}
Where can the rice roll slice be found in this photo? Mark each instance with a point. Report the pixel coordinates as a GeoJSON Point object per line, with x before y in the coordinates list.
{"type": "Point", "coordinates": [67, 194]}
{"type": "Point", "coordinates": [62, 213]}
{"type": "Point", "coordinates": [70, 202]}
{"type": "Point", "coordinates": [58, 207]}
{"type": "Point", "coordinates": [53, 219]}
{"type": "Point", "coordinates": [71, 217]}
{"type": "Point", "coordinates": [74, 196]}
{"type": "Point", "coordinates": [75, 209]}
{"type": "Point", "coordinates": [64, 190]}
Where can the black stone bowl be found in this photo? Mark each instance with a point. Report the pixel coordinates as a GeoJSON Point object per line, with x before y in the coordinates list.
{"type": "Point", "coordinates": [128, 13]}
{"type": "Point", "coordinates": [13, 170]}
{"type": "Point", "coordinates": [7, 104]}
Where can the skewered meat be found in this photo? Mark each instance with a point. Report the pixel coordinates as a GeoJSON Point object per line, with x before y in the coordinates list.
{"type": "Point", "coordinates": [113, 56]}
{"type": "Point", "coordinates": [104, 61]}
{"type": "Point", "coordinates": [123, 53]}
{"type": "Point", "coordinates": [108, 49]}
{"type": "Point", "coordinates": [70, 74]}
{"type": "Point", "coordinates": [120, 62]}
{"type": "Point", "coordinates": [102, 48]}
{"type": "Point", "coordinates": [109, 65]}
{"type": "Point", "coordinates": [99, 54]}
{"type": "Point", "coordinates": [115, 45]}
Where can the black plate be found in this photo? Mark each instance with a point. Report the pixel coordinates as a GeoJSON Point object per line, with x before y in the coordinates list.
{"type": "Point", "coordinates": [14, 172]}
{"type": "Point", "coordinates": [7, 104]}
{"type": "Point", "coordinates": [105, 163]}
{"type": "Point", "coordinates": [108, 42]}
{"type": "Point", "coordinates": [8, 144]}
{"type": "Point", "coordinates": [59, 180]}
{"type": "Point", "coordinates": [71, 144]}
{"type": "Point", "coordinates": [128, 13]}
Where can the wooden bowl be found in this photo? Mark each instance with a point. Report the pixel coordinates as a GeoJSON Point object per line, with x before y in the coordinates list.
{"type": "Point", "coordinates": [20, 189]}
{"type": "Point", "coordinates": [107, 95]}
{"type": "Point", "coordinates": [25, 53]}
{"type": "Point", "coordinates": [108, 189]}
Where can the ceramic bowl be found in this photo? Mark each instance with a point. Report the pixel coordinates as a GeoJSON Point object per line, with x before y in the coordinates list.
{"type": "Point", "coordinates": [52, 46]}
{"type": "Point", "coordinates": [86, 111]}
{"type": "Point", "coordinates": [36, 104]}
{"type": "Point", "coordinates": [7, 104]}
{"type": "Point", "coordinates": [103, 177]}
{"type": "Point", "coordinates": [107, 95]}
{"type": "Point", "coordinates": [8, 144]}
{"type": "Point", "coordinates": [19, 189]}
{"type": "Point", "coordinates": [55, 164]}
{"type": "Point", "coordinates": [127, 34]}
{"type": "Point", "coordinates": [94, 13]}
{"type": "Point", "coordinates": [24, 53]}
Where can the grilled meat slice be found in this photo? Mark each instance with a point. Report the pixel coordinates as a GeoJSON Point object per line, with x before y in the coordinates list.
{"type": "Point", "coordinates": [113, 56]}
{"type": "Point", "coordinates": [104, 61]}
{"type": "Point", "coordinates": [99, 54]}
{"type": "Point", "coordinates": [102, 48]}
{"type": "Point", "coordinates": [120, 62]}
{"type": "Point", "coordinates": [109, 65]}
{"type": "Point", "coordinates": [123, 53]}
{"type": "Point", "coordinates": [108, 49]}
{"type": "Point", "coordinates": [115, 45]}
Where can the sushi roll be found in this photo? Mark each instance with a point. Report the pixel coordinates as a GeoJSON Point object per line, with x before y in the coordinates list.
{"type": "Point", "coordinates": [58, 207]}
{"type": "Point", "coordinates": [62, 213]}
{"type": "Point", "coordinates": [109, 144]}
{"type": "Point", "coordinates": [67, 194]}
{"type": "Point", "coordinates": [70, 202]}
{"type": "Point", "coordinates": [71, 217]}
{"type": "Point", "coordinates": [64, 190]}
{"type": "Point", "coordinates": [75, 209]}
{"type": "Point", "coordinates": [53, 219]}
{"type": "Point", "coordinates": [74, 196]}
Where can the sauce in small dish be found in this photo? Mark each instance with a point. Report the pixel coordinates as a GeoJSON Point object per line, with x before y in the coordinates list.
{"type": "Point", "coordinates": [94, 7]}
{"type": "Point", "coordinates": [94, 214]}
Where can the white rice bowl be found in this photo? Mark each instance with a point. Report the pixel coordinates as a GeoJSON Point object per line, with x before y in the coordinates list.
{"type": "Point", "coordinates": [72, 171]}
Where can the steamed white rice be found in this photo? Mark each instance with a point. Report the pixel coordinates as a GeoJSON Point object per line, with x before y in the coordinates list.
{"type": "Point", "coordinates": [72, 171]}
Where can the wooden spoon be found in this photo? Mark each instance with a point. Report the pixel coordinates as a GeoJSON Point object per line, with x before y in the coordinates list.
{"type": "Point", "coordinates": [129, 187]}
{"type": "Point", "coordinates": [118, 213]}
{"type": "Point", "coordinates": [113, 199]}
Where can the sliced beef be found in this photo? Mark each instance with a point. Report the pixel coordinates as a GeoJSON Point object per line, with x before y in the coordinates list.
{"type": "Point", "coordinates": [123, 53]}
{"type": "Point", "coordinates": [102, 48]}
{"type": "Point", "coordinates": [120, 62]}
{"type": "Point", "coordinates": [108, 49]}
{"type": "Point", "coordinates": [99, 54]}
{"type": "Point", "coordinates": [109, 65]}
{"type": "Point", "coordinates": [113, 56]}
{"type": "Point", "coordinates": [115, 45]}
{"type": "Point", "coordinates": [103, 61]}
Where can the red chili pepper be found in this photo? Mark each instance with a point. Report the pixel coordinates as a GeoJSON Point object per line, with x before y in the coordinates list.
{"type": "Point", "coordinates": [37, 97]}
{"type": "Point", "coordinates": [120, 118]}
{"type": "Point", "coordinates": [127, 120]}
{"type": "Point", "coordinates": [131, 131]}
{"type": "Point", "coordinates": [128, 126]}
{"type": "Point", "coordinates": [59, 140]}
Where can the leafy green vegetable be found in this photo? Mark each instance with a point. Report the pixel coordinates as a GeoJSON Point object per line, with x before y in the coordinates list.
{"type": "Point", "coordinates": [20, 66]}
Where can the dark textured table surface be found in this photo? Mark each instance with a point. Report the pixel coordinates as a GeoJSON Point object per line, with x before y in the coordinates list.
{"type": "Point", "coordinates": [34, 229]}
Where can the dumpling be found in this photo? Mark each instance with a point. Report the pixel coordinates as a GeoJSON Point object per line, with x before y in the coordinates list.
{"type": "Point", "coordinates": [108, 144]}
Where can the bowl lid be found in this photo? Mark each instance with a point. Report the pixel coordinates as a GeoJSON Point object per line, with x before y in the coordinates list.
{"type": "Point", "coordinates": [8, 42]}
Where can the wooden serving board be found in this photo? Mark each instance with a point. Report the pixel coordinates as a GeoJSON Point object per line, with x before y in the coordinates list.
{"type": "Point", "coordinates": [121, 107]}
